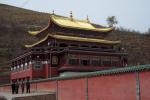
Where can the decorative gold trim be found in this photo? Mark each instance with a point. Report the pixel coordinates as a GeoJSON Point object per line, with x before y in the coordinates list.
{"type": "Point", "coordinates": [33, 32]}
{"type": "Point", "coordinates": [72, 38]}
{"type": "Point", "coordinates": [29, 46]}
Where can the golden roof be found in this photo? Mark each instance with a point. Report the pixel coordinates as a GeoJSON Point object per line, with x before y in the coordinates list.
{"type": "Point", "coordinates": [72, 38]}
{"type": "Point", "coordinates": [73, 23]}
{"type": "Point", "coordinates": [78, 24]}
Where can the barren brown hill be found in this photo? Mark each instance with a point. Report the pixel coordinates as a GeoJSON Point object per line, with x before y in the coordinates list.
{"type": "Point", "coordinates": [15, 22]}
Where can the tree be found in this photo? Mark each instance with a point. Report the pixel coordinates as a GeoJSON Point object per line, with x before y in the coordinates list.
{"type": "Point", "coordinates": [111, 20]}
{"type": "Point", "coordinates": [149, 31]}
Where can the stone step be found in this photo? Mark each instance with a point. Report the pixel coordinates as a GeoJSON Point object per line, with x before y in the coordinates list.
{"type": "Point", "coordinates": [29, 96]}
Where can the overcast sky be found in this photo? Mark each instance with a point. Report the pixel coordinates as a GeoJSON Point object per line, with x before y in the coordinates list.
{"type": "Point", "coordinates": [131, 14]}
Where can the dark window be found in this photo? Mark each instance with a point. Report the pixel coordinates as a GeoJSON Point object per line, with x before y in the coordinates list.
{"type": "Point", "coordinates": [100, 63]}
{"type": "Point", "coordinates": [94, 46]}
{"type": "Point", "coordinates": [103, 47]}
{"type": "Point", "coordinates": [37, 49]}
{"type": "Point", "coordinates": [107, 63]}
{"type": "Point", "coordinates": [95, 62]}
{"type": "Point", "coordinates": [63, 45]}
{"type": "Point", "coordinates": [74, 61]}
{"type": "Point", "coordinates": [85, 46]}
{"type": "Point", "coordinates": [115, 63]}
{"type": "Point", "coordinates": [54, 44]}
{"type": "Point", "coordinates": [37, 64]}
{"type": "Point", "coordinates": [85, 62]}
{"type": "Point", "coordinates": [74, 45]}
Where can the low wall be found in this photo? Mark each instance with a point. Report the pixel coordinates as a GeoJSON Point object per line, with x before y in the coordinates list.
{"type": "Point", "coordinates": [5, 88]}
{"type": "Point", "coordinates": [145, 85]}
{"type": "Point", "coordinates": [36, 97]}
{"type": "Point", "coordinates": [131, 83]}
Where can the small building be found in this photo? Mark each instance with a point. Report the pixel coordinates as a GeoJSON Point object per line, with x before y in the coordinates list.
{"type": "Point", "coordinates": [67, 45]}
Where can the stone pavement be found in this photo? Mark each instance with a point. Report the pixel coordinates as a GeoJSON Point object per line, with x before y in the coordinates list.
{"type": "Point", "coordinates": [31, 96]}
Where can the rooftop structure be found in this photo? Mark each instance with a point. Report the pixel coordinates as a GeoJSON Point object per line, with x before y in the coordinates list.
{"type": "Point", "coordinates": [68, 45]}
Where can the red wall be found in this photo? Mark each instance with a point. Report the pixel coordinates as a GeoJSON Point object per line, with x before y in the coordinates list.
{"type": "Point", "coordinates": [145, 85]}
{"type": "Point", "coordinates": [47, 86]}
{"type": "Point", "coordinates": [33, 87]}
{"type": "Point", "coordinates": [72, 89]}
{"type": "Point", "coordinates": [46, 70]}
{"type": "Point", "coordinates": [114, 87]}
{"type": "Point", "coordinates": [31, 72]}
{"type": "Point", "coordinates": [38, 73]}
{"type": "Point", "coordinates": [22, 73]}
{"type": "Point", "coordinates": [6, 89]}
{"type": "Point", "coordinates": [110, 87]}
{"type": "Point", "coordinates": [53, 71]}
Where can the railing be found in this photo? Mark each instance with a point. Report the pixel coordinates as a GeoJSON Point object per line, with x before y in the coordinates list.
{"type": "Point", "coordinates": [60, 49]}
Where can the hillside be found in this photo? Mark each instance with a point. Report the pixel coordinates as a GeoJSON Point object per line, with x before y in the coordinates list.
{"type": "Point", "coordinates": [15, 22]}
{"type": "Point", "coordinates": [14, 25]}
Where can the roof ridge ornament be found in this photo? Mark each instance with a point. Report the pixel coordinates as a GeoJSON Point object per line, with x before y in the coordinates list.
{"type": "Point", "coordinates": [87, 18]}
{"type": "Point", "coordinates": [71, 16]}
{"type": "Point", "coordinates": [53, 13]}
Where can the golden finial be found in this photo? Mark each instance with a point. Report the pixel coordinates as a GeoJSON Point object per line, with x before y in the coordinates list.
{"type": "Point", "coordinates": [53, 12]}
{"type": "Point", "coordinates": [87, 18]}
{"type": "Point", "coordinates": [71, 16]}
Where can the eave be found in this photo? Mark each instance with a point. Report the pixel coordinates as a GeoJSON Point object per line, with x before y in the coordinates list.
{"type": "Point", "coordinates": [77, 39]}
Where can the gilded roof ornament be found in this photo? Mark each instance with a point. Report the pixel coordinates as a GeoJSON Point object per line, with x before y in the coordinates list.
{"type": "Point", "coordinates": [87, 18]}
{"type": "Point", "coordinates": [53, 12]}
{"type": "Point", "coordinates": [71, 16]}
